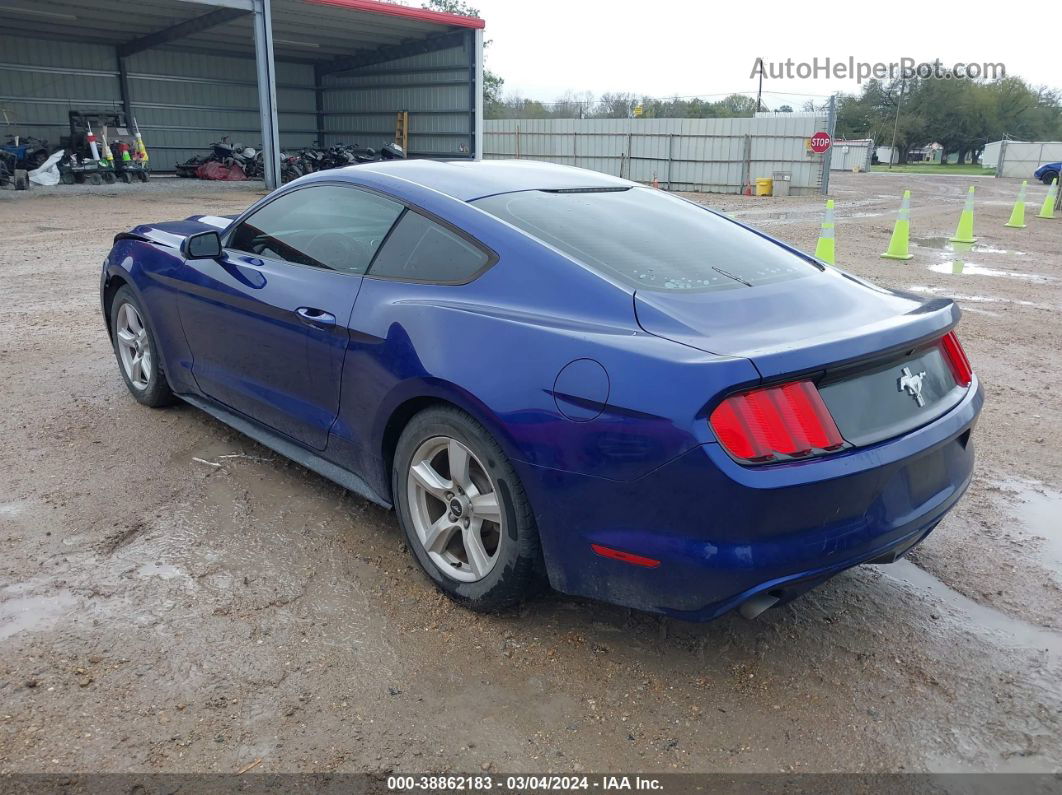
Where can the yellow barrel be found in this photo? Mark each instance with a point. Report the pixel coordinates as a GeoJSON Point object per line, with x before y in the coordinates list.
{"type": "Point", "coordinates": [764, 186]}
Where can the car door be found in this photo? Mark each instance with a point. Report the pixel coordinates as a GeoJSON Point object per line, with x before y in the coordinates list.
{"type": "Point", "coordinates": [266, 322]}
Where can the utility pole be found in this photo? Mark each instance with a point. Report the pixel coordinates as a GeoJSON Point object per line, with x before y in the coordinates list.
{"type": "Point", "coordinates": [827, 158]}
{"type": "Point", "coordinates": [896, 124]}
{"type": "Point", "coordinates": [759, 91]}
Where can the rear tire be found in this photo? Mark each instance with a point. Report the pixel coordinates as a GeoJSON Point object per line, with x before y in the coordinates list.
{"type": "Point", "coordinates": [471, 528]}
{"type": "Point", "coordinates": [135, 349]}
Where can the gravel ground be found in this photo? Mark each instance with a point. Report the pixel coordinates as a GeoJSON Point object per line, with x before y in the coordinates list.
{"type": "Point", "coordinates": [161, 614]}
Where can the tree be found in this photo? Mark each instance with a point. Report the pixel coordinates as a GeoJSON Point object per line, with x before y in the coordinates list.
{"type": "Point", "coordinates": [492, 91]}
{"type": "Point", "coordinates": [785, 109]}
{"type": "Point", "coordinates": [459, 7]}
{"type": "Point", "coordinates": [492, 82]}
{"type": "Point", "coordinates": [615, 106]}
{"type": "Point", "coordinates": [960, 114]}
{"type": "Point", "coordinates": [737, 105]}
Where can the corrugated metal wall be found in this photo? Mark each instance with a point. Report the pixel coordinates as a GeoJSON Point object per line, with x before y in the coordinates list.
{"type": "Point", "coordinates": [184, 101]}
{"type": "Point", "coordinates": [40, 83]}
{"type": "Point", "coordinates": [435, 88]}
{"type": "Point", "coordinates": [1021, 158]}
{"type": "Point", "coordinates": [715, 155]}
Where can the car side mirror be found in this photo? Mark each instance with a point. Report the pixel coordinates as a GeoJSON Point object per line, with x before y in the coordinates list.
{"type": "Point", "coordinates": [203, 245]}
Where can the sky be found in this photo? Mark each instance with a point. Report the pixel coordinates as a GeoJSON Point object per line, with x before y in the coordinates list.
{"type": "Point", "coordinates": [544, 48]}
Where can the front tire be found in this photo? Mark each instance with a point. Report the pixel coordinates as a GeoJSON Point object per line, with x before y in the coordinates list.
{"type": "Point", "coordinates": [1049, 177]}
{"type": "Point", "coordinates": [464, 512]}
{"type": "Point", "coordinates": [137, 352]}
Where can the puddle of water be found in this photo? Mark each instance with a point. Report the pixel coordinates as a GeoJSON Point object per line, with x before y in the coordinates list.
{"type": "Point", "coordinates": [973, 269]}
{"type": "Point", "coordinates": [10, 509]}
{"type": "Point", "coordinates": [921, 288]}
{"type": "Point", "coordinates": [941, 243]}
{"type": "Point", "coordinates": [763, 215]}
{"type": "Point", "coordinates": [37, 613]}
{"type": "Point", "coordinates": [993, 250]}
{"type": "Point", "coordinates": [1038, 510]}
{"type": "Point", "coordinates": [163, 570]}
{"type": "Point", "coordinates": [945, 244]}
{"type": "Point", "coordinates": [978, 618]}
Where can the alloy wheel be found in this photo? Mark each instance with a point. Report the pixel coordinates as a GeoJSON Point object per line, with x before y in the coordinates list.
{"type": "Point", "coordinates": [134, 348]}
{"type": "Point", "coordinates": [455, 510]}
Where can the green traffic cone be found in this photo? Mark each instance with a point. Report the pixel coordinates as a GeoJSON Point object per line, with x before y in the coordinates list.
{"type": "Point", "coordinates": [964, 232]}
{"type": "Point", "coordinates": [825, 248]}
{"type": "Point", "coordinates": [961, 250]}
{"type": "Point", "coordinates": [1017, 215]}
{"type": "Point", "coordinates": [901, 233]}
{"type": "Point", "coordinates": [1048, 210]}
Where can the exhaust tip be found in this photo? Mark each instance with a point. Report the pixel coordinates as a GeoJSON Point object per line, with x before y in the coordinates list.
{"type": "Point", "coordinates": [752, 608]}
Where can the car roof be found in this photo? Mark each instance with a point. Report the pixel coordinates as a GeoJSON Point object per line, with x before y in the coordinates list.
{"type": "Point", "coordinates": [474, 179]}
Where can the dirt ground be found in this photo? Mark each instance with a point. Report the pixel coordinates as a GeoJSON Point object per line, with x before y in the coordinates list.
{"type": "Point", "coordinates": [162, 614]}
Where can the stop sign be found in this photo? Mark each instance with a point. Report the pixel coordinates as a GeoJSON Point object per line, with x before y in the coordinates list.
{"type": "Point", "coordinates": [820, 142]}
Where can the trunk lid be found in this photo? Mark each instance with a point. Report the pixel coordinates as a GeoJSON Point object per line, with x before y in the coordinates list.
{"type": "Point", "coordinates": [796, 326]}
{"type": "Point", "coordinates": [875, 354]}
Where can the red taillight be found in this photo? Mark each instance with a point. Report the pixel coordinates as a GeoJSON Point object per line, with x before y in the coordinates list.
{"type": "Point", "coordinates": [960, 365]}
{"type": "Point", "coordinates": [787, 420]}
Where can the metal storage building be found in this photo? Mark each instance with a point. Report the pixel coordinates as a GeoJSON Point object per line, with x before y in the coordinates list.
{"type": "Point", "coordinates": [269, 73]}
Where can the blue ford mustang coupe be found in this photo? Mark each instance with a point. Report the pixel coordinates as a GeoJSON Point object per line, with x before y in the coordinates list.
{"type": "Point", "coordinates": [553, 374]}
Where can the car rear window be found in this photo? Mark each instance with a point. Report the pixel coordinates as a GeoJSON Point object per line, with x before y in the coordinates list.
{"type": "Point", "coordinates": [648, 238]}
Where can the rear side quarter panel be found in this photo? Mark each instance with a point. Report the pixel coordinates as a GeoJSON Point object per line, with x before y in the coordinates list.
{"type": "Point", "coordinates": [490, 348]}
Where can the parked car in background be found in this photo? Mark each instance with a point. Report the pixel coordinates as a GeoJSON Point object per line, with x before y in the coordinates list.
{"type": "Point", "coordinates": [1048, 172]}
{"type": "Point", "coordinates": [551, 373]}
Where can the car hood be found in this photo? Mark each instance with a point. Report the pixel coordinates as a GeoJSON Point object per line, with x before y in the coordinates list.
{"type": "Point", "coordinates": [798, 325]}
{"type": "Point", "coordinates": [172, 233]}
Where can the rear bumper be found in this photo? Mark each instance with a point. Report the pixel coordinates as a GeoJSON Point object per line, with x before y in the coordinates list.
{"type": "Point", "coordinates": [724, 533]}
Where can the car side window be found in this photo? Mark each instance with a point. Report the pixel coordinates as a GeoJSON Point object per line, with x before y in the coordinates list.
{"type": "Point", "coordinates": [323, 226]}
{"type": "Point", "coordinates": [421, 250]}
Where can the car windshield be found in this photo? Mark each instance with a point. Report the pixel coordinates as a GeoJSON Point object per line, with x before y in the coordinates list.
{"type": "Point", "coordinates": [648, 239]}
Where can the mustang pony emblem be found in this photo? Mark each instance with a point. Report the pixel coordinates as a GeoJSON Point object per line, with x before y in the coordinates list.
{"type": "Point", "coordinates": [909, 382]}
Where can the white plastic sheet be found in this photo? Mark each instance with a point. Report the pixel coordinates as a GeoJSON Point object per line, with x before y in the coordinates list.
{"type": "Point", "coordinates": [48, 173]}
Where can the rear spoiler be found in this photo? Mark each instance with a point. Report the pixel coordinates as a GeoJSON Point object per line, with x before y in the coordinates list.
{"type": "Point", "coordinates": [929, 321]}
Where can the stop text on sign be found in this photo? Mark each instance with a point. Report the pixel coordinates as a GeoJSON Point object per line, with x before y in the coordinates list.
{"type": "Point", "coordinates": [820, 142]}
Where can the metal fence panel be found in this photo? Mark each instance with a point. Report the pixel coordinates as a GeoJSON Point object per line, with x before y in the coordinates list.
{"type": "Point", "coordinates": [1021, 158]}
{"type": "Point", "coordinates": [990, 154]}
{"type": "Point", "coordinates": [848, 155]}
{"type": "Point", "coordinates": [718, 155]}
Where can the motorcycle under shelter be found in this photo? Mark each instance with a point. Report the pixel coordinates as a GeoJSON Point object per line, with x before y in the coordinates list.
{"type": "Point", "coordinates": [270, 74]}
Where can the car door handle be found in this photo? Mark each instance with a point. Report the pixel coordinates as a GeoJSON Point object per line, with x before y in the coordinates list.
{"type": "Point", "coordinates": [316, 317]}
